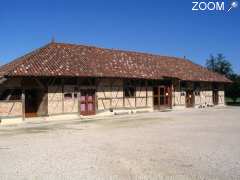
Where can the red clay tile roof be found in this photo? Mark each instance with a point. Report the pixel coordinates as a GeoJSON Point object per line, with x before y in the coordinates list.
{"type": "Point", "coordinates": [59, 59]}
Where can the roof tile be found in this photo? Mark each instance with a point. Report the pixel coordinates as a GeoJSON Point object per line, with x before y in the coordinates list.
{"type": "Point", "coordinates": [59, 59]}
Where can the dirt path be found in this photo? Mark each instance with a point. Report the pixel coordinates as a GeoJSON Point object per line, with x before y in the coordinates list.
{"type": "Point", "coordinates": [191, 144]}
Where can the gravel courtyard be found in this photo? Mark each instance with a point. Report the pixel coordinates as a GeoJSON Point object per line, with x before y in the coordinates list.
{"type": "Point", "coordinates": [184, 144]}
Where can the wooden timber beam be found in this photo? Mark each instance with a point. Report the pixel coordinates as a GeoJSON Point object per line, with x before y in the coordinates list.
{"type": "Point", "coordinates": [23, 104]}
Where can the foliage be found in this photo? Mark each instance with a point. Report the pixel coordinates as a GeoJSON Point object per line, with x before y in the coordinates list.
{"type": "Point", "coordinates": [222, 66]}
{"type": "Point", "coordinates": [233, 90]}
{"type": "Point", "coordinates": [219, 64]}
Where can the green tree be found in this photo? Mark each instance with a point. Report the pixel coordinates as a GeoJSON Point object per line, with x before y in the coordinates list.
{"type": "Point", "coordinates": [211, 63]}
{"type": "Point", "coordinates": [219, 64]}
{"type": "Point", "coordinates": [222, 66]}
{"type": "Point", "coordinates": [233, 90]}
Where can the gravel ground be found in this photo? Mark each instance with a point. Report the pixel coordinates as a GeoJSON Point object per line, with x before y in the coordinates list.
{"type": "Point", "coordinates": [185, 144]}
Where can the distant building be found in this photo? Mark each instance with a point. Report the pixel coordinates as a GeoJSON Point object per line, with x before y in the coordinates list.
{"type": "Point", "coordinates": [65, 78]}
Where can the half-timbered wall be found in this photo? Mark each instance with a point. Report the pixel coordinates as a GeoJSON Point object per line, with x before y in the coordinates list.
{"type": "Point", "coordinates": [179, 98]}
{"type": "Point", "coordinates": [203, 94]}
{"type": "Point", "coordinates": [55, 100]}
{"type": "Point", "coordinates": [43, 106]}
{"type": "Point", "coordinates": [149, 97]}
{"type": "Point", "coordinates": [221, 100]}
{"type": "Point", "coordinates": [205, 98]}
{"type": "Point", "coordinates": [109, 94]}
{"type": "Point", "coordinates": [10, 108]}
{"type": "Point", "coordinates": [62, 100]}
{"type": "Point", "coordinates": [70, 101]}
{"type": "Point", "coordinates": [143, 98]}
{"type": "Point", "coordinates": [178, 95]}
{"type": "Point", "coordinates": [221, 95]}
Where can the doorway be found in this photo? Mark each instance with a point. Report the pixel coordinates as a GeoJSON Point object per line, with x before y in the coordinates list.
{"type": "Point", "coordinates": [215, 97]}
{"type": "Point", "coordinates": [190, 99]}
{"type": "Point", "coordinates": [162, 97]}
{"type": "Point", "coordinates": [33, 99]}
{"type": "Point", "coordinates": [87, 102]}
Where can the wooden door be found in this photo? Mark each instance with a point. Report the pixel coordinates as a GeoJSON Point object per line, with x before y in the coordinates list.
{"type": "Point", "coordinates": [162, 97]}
{"type": "Point", "coordinates": [215, 97]}
{"type": "Point", "coordinates": [87, 102]}
{"type": "Point", "coordinates": [190, 98]}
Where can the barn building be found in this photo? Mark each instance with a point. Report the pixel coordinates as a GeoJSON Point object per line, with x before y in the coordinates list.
{"type": "Point", "coordinates": [64, 78]}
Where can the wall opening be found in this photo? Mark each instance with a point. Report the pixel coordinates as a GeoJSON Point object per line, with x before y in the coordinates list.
{"type": "Point", "coordinates": [34, 99]}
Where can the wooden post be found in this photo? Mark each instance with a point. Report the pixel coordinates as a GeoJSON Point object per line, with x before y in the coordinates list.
{"type": "Point", "coordinates": [146, 89]}
{"type": "Point", "coordinates": [23, 104]}
{"type": "Point", "coordinates": [79, 96]}
{"type": "Point", "coordinates": [123, 93]}
{"type": "Point", "coordinates": [62, 86]}
{"type": "Point", "coordinates": [158, 97]}
{"type": "Point", "coordinates": [170, 95]}
{"type": "Point", "coordinates": [95, 101]}
{"type": "Point", "coordinates": [111, 88]}
{"type": "Point", "coordinates": [135, 96]}
{"type": "Point", "coordinates": [96, 81]}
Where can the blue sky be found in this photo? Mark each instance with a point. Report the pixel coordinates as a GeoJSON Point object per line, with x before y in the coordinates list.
{"type": "Point", "coordinates": [167, 27]}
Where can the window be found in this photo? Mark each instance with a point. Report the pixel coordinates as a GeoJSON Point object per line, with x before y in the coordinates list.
{"type": "Point", "coordinates": [71, 94]}
{"type": "Point", "coordinates": [68, 96]}
{"type": "Point", "coordinates": [129, 92]}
